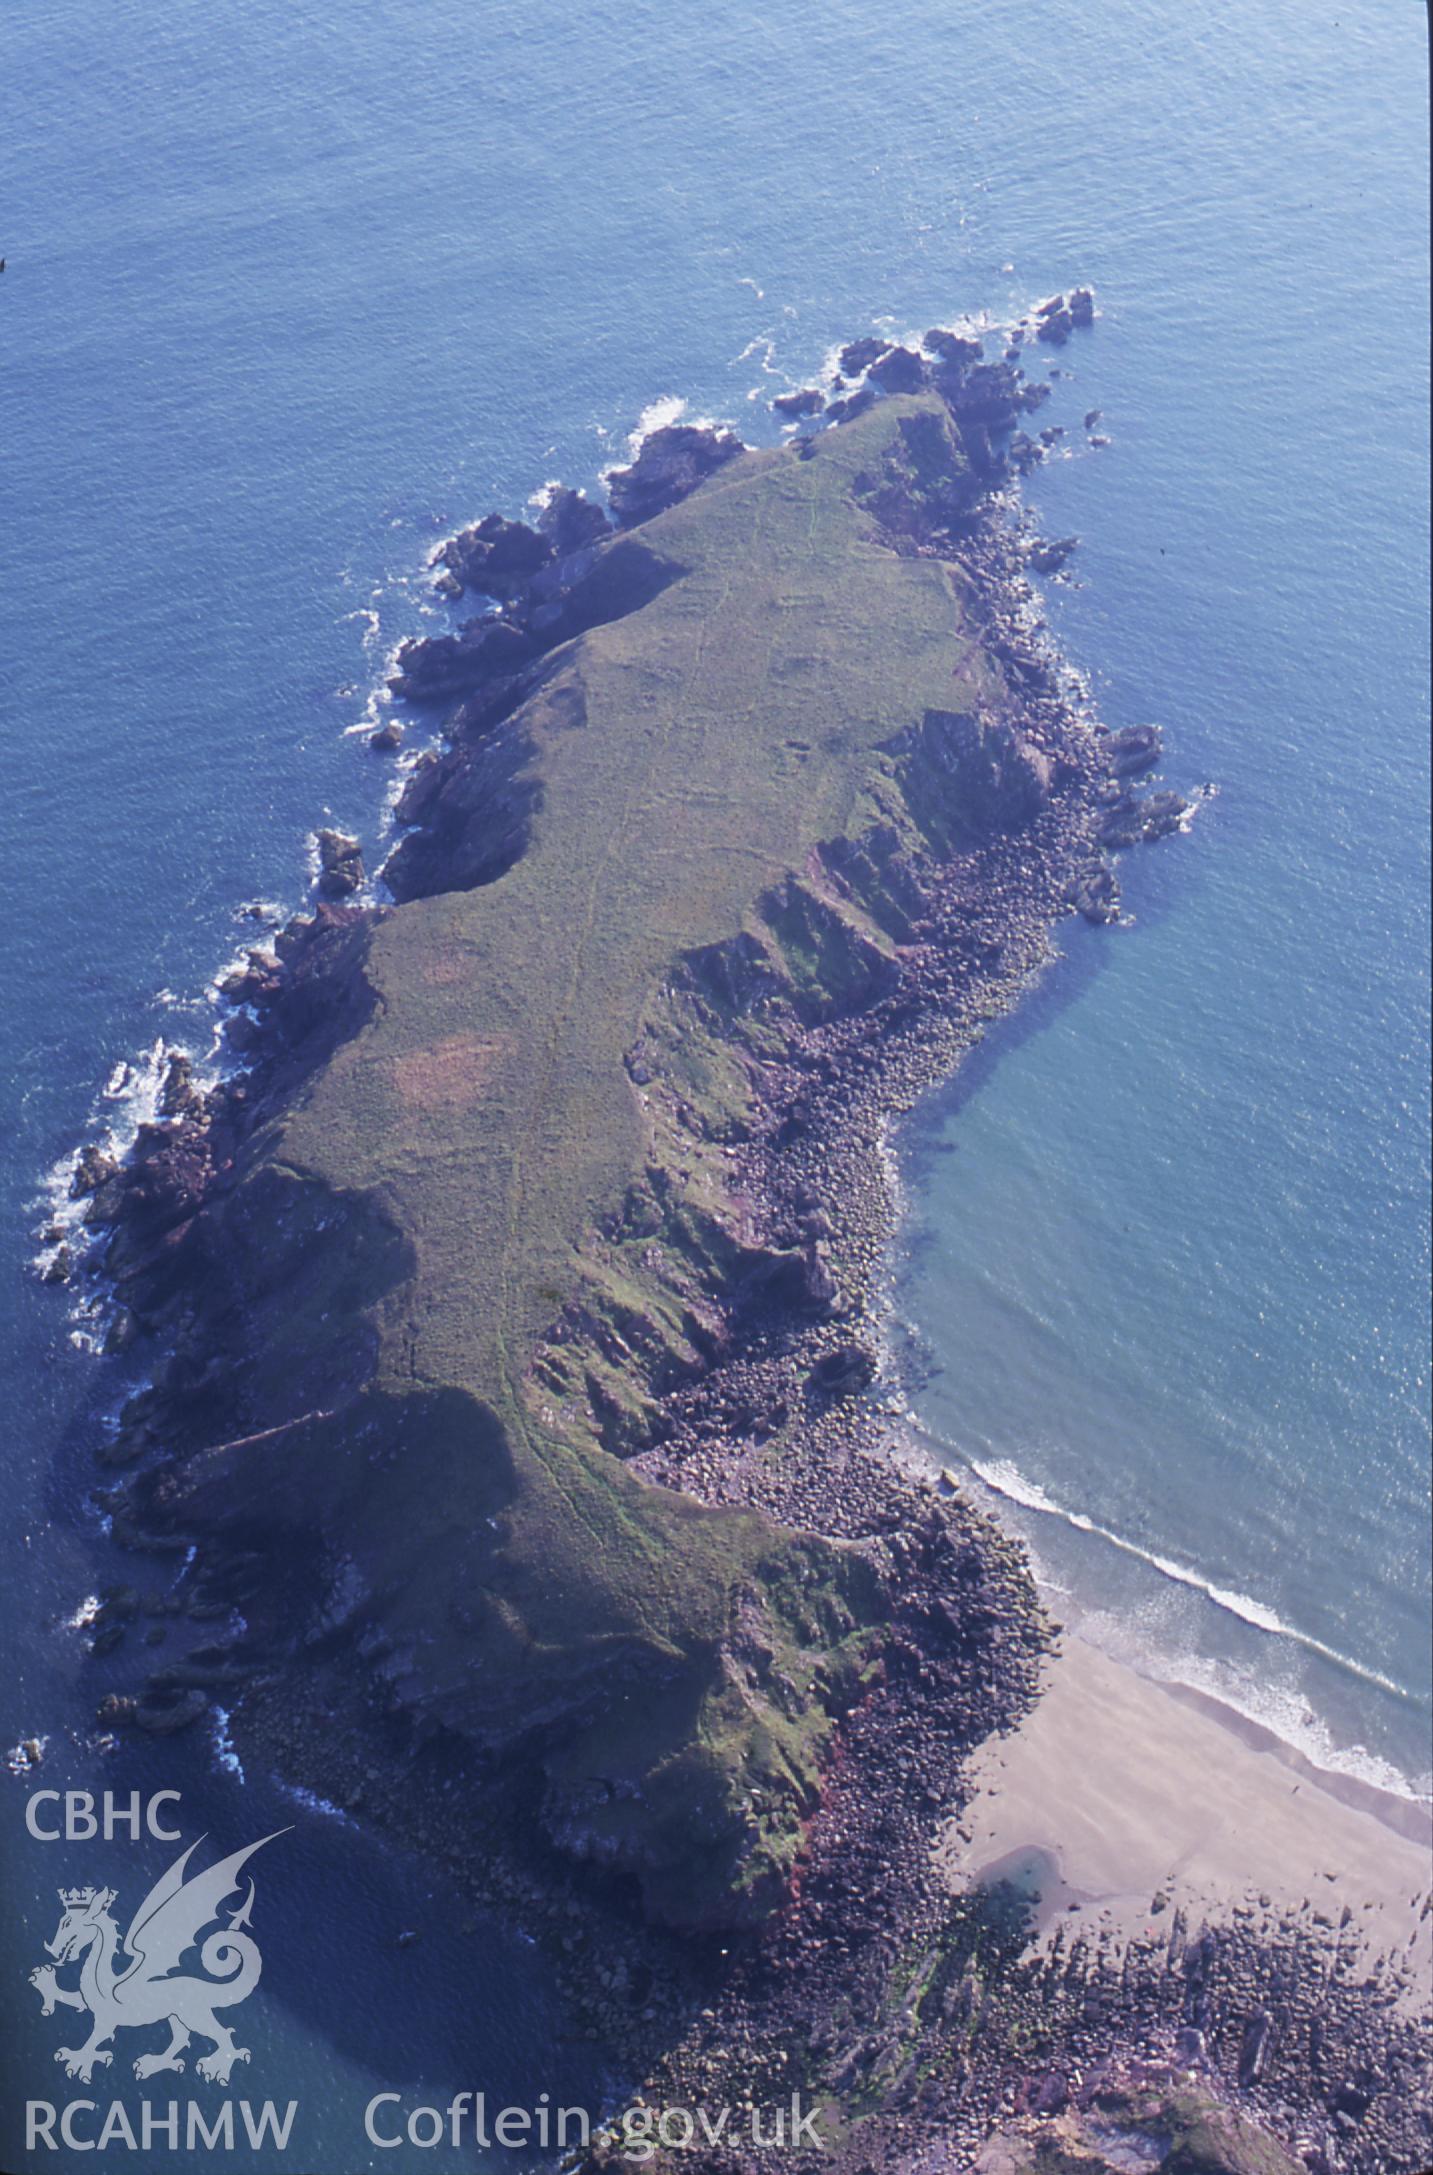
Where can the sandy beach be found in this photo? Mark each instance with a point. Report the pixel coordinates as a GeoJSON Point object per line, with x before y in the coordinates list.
{"type": "Point", "coordinates": [1120, 1791]}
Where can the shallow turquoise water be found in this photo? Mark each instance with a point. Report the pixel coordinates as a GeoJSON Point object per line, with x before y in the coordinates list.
{"type": "Point", "coordinates": [292, 292]}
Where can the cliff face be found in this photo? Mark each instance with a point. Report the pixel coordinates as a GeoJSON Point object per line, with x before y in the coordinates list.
{"type": "Point", "coordinates": [486, 1204]}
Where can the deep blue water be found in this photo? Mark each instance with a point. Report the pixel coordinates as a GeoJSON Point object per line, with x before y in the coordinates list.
{"type": "Point", "coordinates": [291, 292]}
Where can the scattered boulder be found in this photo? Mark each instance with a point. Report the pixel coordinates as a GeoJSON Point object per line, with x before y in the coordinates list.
{"type": "Point", "coordinates": [388, 738]}
{"type": "Point", "coordinates": [808, 401]}
{"type": "Point", "coordinates": [1055, 328]}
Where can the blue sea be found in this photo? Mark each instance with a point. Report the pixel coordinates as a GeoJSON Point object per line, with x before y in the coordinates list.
{"type": "Point", "coordinates": [290, 293]}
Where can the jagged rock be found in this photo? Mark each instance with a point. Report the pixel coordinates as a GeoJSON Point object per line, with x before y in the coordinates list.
{"type": "Point", "coordinates": [1137, 818]}
{"type": "Point", "coordinates": [991, 395]}
{"type": "Point", "coordinates": [94, 1167]}
{"type": "Point", "coordinates": [571, 521]}
{"type": "Point", "coordinates": [340, 864]}
{"type": "Point", "coordinates": [122, 1331]}
{"type": "Point", "coordinates": [388, 737]}
{"type": "Point", "coordinates": [1056, 328]}
{"type": "Point", "coordinates": [670, 465]}
{"type": "Point", "coordinates": [1049, 557]}
{"type": "Point", "coordinates": [1082, 305]}
{"type": "Point", "coordinates": [858, 355]}
{"type": "Point", "coordinates": [1190, 2048]}
{"type": "Point", "coordinates": [163, 1713]}
{"type": "Point", "coordinates": [954, 348]}
{"type": "Point", "coordinates": [496, 557]}
{"type": "Point", "coordinates": [899, 370]}
{"type": "Point", "coordinates": [1133, 749]}
{"type": "Point", "coordinates": [179, 1095]}
{"type": "Point", "coordinates": [972, 776]}
{"type": "Point", "coordinates": [809, 401]}
{"type": "Point", "coordinates": [837, 1374]}
{"type": "Point", "coordinates": [434, 667]}
{"type": "Point", "coordinates": [820, 1286]}
{"type": "Point", "coordinates": [1095, 893]}
{"type": "Point", "coordinates": [1254, 2047]}
{"type": "Point", "coordinates": [854, 404]}
{"type": "Point", "coordinates": [1092, 416]}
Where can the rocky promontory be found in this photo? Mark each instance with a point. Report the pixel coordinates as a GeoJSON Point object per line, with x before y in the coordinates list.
{"type": "Point", "coordinates": [512, 1300]}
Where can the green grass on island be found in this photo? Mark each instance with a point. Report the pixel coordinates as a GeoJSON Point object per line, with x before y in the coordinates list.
{"type": "Point", "coordinates": [531, 1139]}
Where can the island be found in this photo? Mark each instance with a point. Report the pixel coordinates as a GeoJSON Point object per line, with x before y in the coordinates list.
{"type": "Point", "coordinates": [513, 1295]}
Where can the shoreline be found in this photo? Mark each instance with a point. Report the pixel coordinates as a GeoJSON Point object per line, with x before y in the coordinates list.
{"type": "Point", "coordinates": [964, 1630]}
{"type": "Point", "coordinates": [1349, 1770]}
{"type": "Point", "coordinates": [1113, 1776]}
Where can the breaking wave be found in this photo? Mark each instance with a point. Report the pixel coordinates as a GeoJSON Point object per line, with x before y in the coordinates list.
{"type": "Point", "coordinates": [1003, 1478]}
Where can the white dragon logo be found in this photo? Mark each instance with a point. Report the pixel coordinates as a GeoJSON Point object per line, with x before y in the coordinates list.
{"type": "Point", "coordinates": [151, 1989]}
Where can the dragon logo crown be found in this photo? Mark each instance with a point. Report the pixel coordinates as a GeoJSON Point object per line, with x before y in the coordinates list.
{"type": "Point", "coordinates": [156, 1985]}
